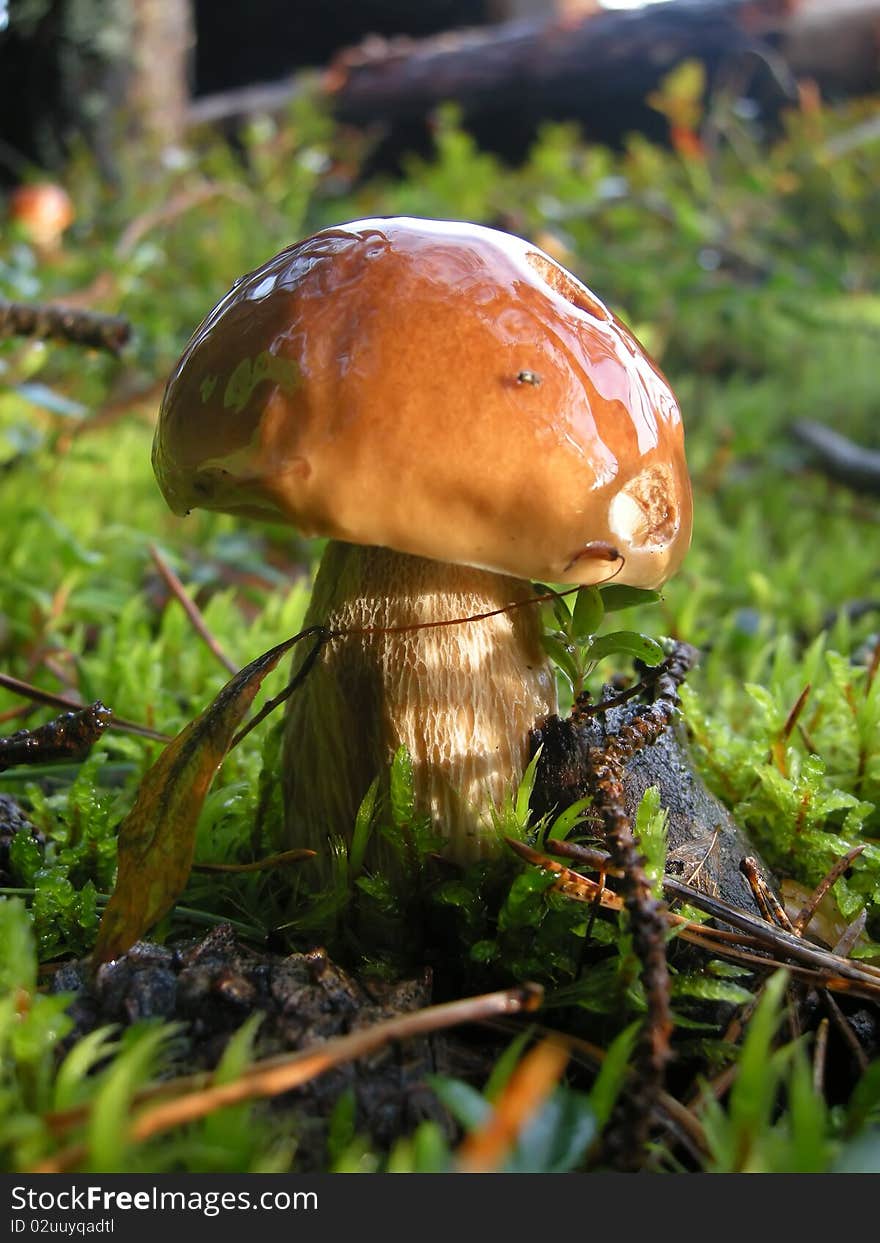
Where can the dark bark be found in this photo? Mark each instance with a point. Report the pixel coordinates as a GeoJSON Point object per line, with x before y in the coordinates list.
{"type": "Point", "coordinates": [597, 70]}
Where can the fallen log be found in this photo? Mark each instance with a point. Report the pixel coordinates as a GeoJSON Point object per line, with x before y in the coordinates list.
{"type": "Point", "coordinates": [598, 67]}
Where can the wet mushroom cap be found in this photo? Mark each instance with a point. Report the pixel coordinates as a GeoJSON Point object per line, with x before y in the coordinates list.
{"type": "Point", "coordinates": [437, 388]}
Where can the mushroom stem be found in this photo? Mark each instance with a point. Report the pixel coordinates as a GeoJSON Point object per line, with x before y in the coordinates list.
{"type": "Point", "coordinates": [461, 698]}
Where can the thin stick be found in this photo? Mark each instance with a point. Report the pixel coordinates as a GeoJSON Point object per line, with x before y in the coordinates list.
{"type": "Point", "coordinates": [820, 1057]}
{"type": "Point", "coordinates": [192, 610]}
{"type": "Point", "coordinates": [65, 701]}
{"type": "Point", "coordinates": [64, 323]}
{"type": "Point", "coordinates": [69, 737]}
{"type": "Point", "coordinates": [768, 904]}
{"type": "Point", "coordinates": [810, 907]}
{"type": "Point", "coordinates": [843, 1026]}
{"type": "Point", "coordinates": [280, 1074]}
{"type": "Point", "coordinates": [851, 934]}
{"type": "Point", "coordinates": [258, 865]}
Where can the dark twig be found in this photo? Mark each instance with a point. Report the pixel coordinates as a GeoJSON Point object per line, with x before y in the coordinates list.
{"type": "Point", "coordinates": [258, 865]}
{"type": "Point", "coordinates": [851, 934]}
{"type": "Point", "coordinates": [38, 695]}
{"type": "Point", "coordinates": [64, 323]}
{"type": "Point", "coordinates": [842, 1024]}
{"type": "Point", "coordinates": [627, 1134]}
{"type": "Point", "coordinates": [839, 458]}
{"type": "Point", "coordinates": [820, 1058]}
{"type": "Point", "coordinates": [834, 874]}
{"type": "Point", "coordinates": [768, 903]}
{"type": "Point", "coordinates": [197, 621]}
{"type": "Point", "coordinates": [69, 737]}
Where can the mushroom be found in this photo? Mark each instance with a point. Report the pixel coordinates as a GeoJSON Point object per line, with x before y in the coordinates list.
{"type": "Point", "coordinates": [460, 416]}
{"type": "Point", "coordinates": [43, 211]}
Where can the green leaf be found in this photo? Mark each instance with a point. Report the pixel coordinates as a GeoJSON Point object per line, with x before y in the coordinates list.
{"type": "Point", "coordinates": [562, 655]}
{"type": "Point", "coordinates": [506, 1064]}
{"type": "Point", "coordinates": [612, 1073]}
{"type": "Point", "coordinates": [403, 799]}
{"type": "Point", "coordinates": [567, 820]}
{"type": "Point", "coordinates": [650, 829]}
{"type": "Point", "coordinates": [557, 1139]}
{"type": "Point", "coordinates": [648, 651]}
{"type": "Point", "coordinates": [616, 596]}
{"type": "Point", "coordinates": [524, 790]}
{"type": "Point", "coordinates": [589, 609]}
{"type": "Point", "coordinates": [341, 1129]}
{"type": "Point", "coordinates": [72, 1082]}
{"type": "Point", "coordinates": [108, 1122]}
{"type": "Point", "coordinates": [467, 1106]}
{"type": "Point", "coordinates": [363, 828]}
{"type": "Point", "coordinates": [18, 953]}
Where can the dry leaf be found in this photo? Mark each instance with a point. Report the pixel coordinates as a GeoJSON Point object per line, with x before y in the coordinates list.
{"type": "Point", "coordinates": [157, 837]}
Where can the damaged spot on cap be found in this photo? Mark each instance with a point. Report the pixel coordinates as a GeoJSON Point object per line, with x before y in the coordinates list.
{"type": "Point", "coordinates": [644, 513]}
{"type": "Point", "coordinates": [565, 284]}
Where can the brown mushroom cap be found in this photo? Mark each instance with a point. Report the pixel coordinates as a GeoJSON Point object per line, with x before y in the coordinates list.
{"type": "Point", "coordinates": [438, 388]}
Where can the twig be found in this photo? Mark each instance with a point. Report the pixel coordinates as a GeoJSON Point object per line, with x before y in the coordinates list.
{"type": "Point", "coordinates": [485, 1149]}
{"type": "Point", "coordinates": [267, 97]}
{"type": "Point", "coordinates": [810, 907]}
{"type": "Point", "coordinates": [839, 458]}
{"type": "Point", "coordinates": [281, 1074]}
{"type": "Point", "coordinates": [69, 737]}
{"type": "Point", "coordinates": [38, 695]}
{"type": "Point", "coordinates": [282, 859]}
{"type": "Point", "coordinates": [768, 903]}
{"type": "Point", "coordinates": [197, 621]}
{"type": "Point", "coordinates": [627, 1134]}
{"type": "Point", "coordinates": [851, 934]}
{"type": "Point", "coordinates": [843, 1026]}
{"type": "Point", "coordinates": [64, 323]}
{"type": "Point", "coordinates": [820, 1058]}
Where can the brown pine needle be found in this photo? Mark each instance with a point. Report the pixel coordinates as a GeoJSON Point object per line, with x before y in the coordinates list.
{"type": "Point", "coordinates": [539, 1072]}
{"type": "Point", "coordinates": [192, 610]}
{"type": "Point", "coordinates": [258, 865]}
{"type": "Point", "coordinates": [812, 904]}
{"type": "Point", "coordinates": [816, 966]}
{"type": "Point", "coordinates": [820, 1057]}
{"type": "Point", "coordinates": [274, 1076]}
{"type": "Point", "coordinates": [571, 883]}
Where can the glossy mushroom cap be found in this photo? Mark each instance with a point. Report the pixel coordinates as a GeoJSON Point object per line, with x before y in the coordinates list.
{"type": "Point", "coordinates": [437, 388]}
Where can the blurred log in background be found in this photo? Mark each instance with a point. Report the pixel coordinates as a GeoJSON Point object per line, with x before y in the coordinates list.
{"type": "Point", "coordinates": [81, 70]}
